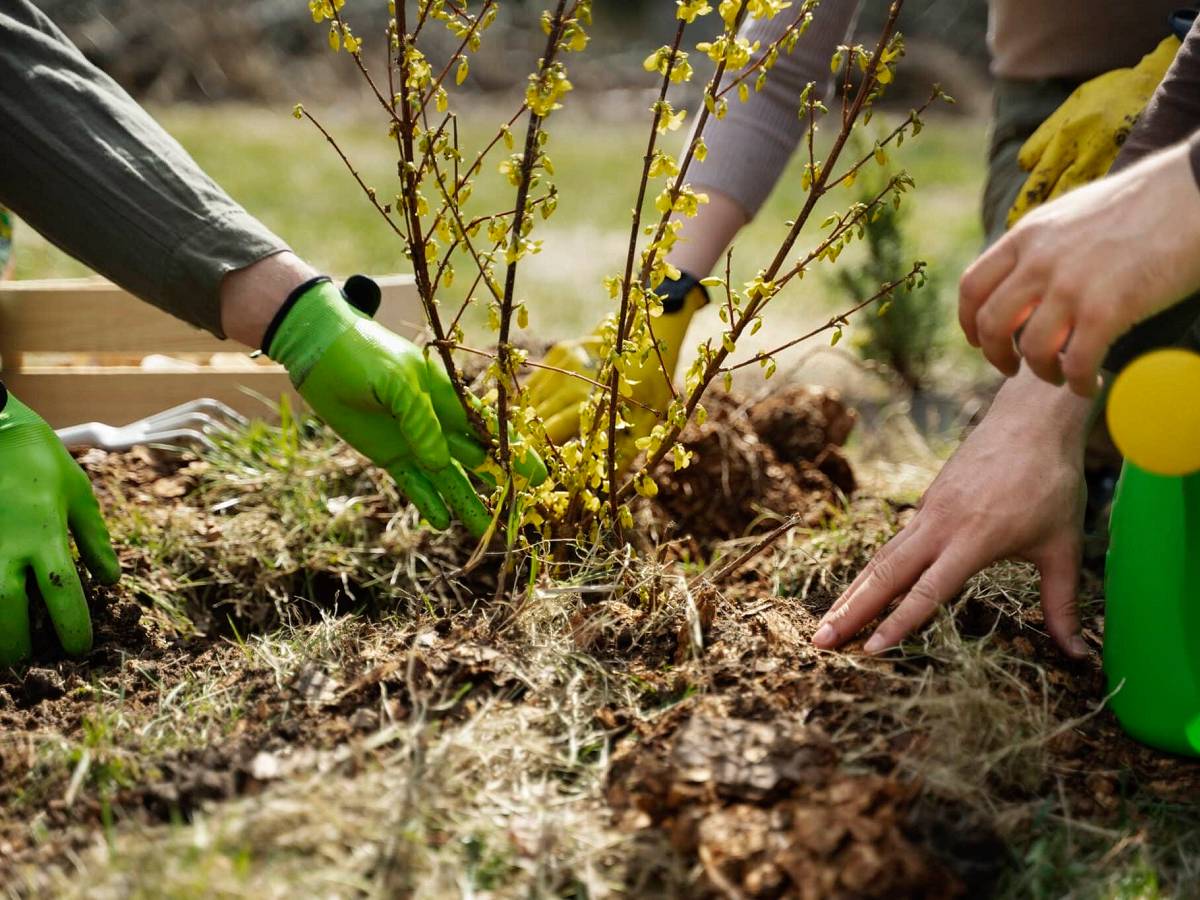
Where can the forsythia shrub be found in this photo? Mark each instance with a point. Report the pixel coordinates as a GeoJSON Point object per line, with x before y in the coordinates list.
{"type": "Point", "coordinates": [431, 213]}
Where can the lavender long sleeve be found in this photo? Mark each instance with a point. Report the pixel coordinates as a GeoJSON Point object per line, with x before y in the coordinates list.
{"type": "Point", "coordinates": [749, 149]}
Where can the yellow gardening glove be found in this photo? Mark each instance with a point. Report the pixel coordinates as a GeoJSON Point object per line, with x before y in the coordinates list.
{"type": "Point", "coordinates": [1080, 139]}
{"type": "Point", "coordinates": [557, 397]}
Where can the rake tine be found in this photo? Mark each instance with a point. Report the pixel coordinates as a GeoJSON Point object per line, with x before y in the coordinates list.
{"type": "Point", "coordinates": [211, 410]}
{"type": "Point", "coordinates": [190, 422]}
{"type": "Point", "coordinates": [200, 421]}
{"type": "Point", "coordinates": [170, 438]}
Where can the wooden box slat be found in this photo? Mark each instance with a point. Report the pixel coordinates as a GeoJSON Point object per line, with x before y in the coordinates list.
{"type": "Point", "coordinates": [90, 315]}
{"type": "Point", "coordinates": [93, 318]}
{"type": "Point", "coordinates": [118, 395]}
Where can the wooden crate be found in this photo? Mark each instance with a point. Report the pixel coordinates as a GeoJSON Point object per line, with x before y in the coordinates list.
{"type": "Point", "coordinates": [84, 350]}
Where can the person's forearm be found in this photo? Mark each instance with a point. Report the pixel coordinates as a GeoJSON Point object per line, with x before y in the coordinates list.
{"type": "Point", "coordinates": [704, 237]}
{"type": "Point", "coordinates": [251, 297]}
{"type": "Point", "coordinates": [1044, 412]}
{"type": "Point", "coordinates": [89, 169]}
{"type": "Point", "coordinates": [1173, 113]}
{"type": "Point", "coordinates": [750, 147]}
{"type": "Point", "coordinates": [1171, 116]}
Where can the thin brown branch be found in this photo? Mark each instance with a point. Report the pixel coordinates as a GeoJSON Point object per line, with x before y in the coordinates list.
{"type": "Point", "coordinates": [369, 191]}
{"type": "Point", "coordinates": [457, 54]}
{"type": "Point", "coordinates": [385, 102]}
{"type": "Point", "coordinates": [635, 227]}
{"type": "Point", "coordinates": [821, 179]}
{"type": "Point", "coordinates": [431, 146]}
{"type": "Point", "coordinates": [728, 290]}
{"type": "Point", "coordinates": [845, 222]}
{"type": "Point", "coordinates": [405, 128]}
{"type": "Point", "coordinates": [549, 368]}
{"type": "Point", "coordinates": [733, 565]}
{"type": "Point", "coordinates": [690, 153]}
{"type": "Point", "coordinates": [525, 173]}
{"type": "Point", "coordinates": [650, 256]}
{"type": "Point", "coordinates": [889, 137]}
{"type": "Point", "coordinates": [834, 322]}
{"type": "Point", "coordinates": [466, 239]}
{"type": "Point", "coordinates": [477, 163]}
{"type": "Point", "coordinates": [745, 73]}
{"type": "Point", "coordinates": [716, 361]}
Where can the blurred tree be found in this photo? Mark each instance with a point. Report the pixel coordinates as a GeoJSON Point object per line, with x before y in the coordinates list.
{"type": "Point", "coordinates": [904, 335]}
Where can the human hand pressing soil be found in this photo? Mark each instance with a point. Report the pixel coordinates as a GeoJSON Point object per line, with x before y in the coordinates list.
{"type": "Point", "coordinates": [1013, 490]}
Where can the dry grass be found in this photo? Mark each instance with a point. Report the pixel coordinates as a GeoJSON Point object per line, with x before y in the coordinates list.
{"type": "Point", "coordinates": [480, 807]}
{"type": "Point", "coordinates": [366, 727]}
{"type": "Point", "coordinates": [981, 702]}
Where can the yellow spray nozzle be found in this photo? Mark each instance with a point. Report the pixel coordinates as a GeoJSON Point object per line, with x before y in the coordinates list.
{"type": "Point", "coordinates": [1154, 412]}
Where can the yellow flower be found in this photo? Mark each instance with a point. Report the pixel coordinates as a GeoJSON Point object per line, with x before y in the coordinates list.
{"type": "Point", "coordinates": [689, 10]}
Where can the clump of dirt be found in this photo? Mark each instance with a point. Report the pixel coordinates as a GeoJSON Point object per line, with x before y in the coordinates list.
{"type": "Point", "coordinates": [244, 539]}
{"type": "Point", "coordinates": [810, 424]}
{"type": "Point", "coordinates": [765, 809]}
{"type": "Point", "coordinates": [118, 628]}
{"type": "Point", "coordinates": [142, 475]}
{"type": "Point", "coordinates": [756, 464]}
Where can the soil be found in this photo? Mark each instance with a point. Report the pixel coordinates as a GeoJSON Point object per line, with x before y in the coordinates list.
{"type": "Point", "coordinates": [756, 465]}
{"type": "Point", "coordinates": [770, 769]}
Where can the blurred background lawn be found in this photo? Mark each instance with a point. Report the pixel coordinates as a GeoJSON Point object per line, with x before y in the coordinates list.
{"type": "Point", "coordinates": [285, 173]}
{"type": "Point", "coordinates": [243, 133]}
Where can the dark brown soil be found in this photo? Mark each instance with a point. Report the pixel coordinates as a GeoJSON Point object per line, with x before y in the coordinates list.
{"type": "Point", "coordinates": [755, 466]}
{"type": "Point", "coordinates": [768, 768]}
{"type": "Point", "coordinates": [764, 808]}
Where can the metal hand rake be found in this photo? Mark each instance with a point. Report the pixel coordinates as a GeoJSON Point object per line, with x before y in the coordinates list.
{"type": "Point", "coordinates": [188, 423]}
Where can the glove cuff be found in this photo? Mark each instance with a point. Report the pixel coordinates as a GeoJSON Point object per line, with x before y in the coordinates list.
{"type": "Point", "coordinates": [674, 292]}
{"type": "Point", "coordinates": [314, 316]}
{"type": "Point", "coordinates": [1181, 21]}
{"type": "Point", "coordinates": [15, 412]}
{"type": "Point", "coordinates": [285, 308]}
{"type": "Point", "coordinates": [21, 425]}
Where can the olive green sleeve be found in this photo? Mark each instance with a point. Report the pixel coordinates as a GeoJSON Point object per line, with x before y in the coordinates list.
{"type": "Point", "coordinates": [1172, 116]}
{"type": "Point", "coordinates": [87, 167]}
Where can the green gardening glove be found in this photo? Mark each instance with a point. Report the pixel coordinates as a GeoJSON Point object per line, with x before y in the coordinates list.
{"type": "Point", "coordinates": [388, 399]}
{"type": "Point", "coordinates": [43, 495]}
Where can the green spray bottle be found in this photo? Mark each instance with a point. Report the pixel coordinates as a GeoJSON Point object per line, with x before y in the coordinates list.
{"type": "Point", "coordinates": [1152, 580]}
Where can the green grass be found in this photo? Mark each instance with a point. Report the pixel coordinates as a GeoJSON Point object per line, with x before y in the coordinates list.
{"type": "Point", "coordinates": [284, 172]}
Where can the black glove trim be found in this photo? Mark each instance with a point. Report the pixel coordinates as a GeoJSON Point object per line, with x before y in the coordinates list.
{"type": "Point", "coordinates": [674, 291]}
{"type": "Point", "coordinates": [359, 291]}
{"type": "Point", "coordinates": [363, 294]}
{"type": "Point", "coordinates": [3, 396]}
{"type": "Point", "coordinates": [281, 313]}
{"type": "Point", "coordinates": [1181, 21]}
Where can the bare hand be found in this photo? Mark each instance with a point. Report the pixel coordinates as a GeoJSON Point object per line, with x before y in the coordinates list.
{"type": "Point", "coordinates": [1077, 273]}
{"type": "Point", "coordinates": [1014, 490]}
